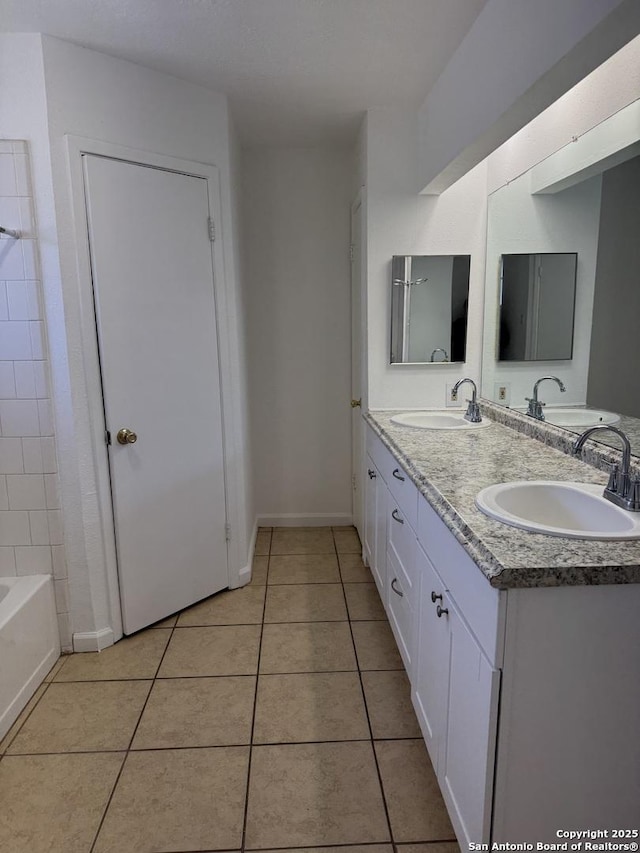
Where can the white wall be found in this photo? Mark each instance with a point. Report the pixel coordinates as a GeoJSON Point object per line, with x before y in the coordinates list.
{"type": "Point", "coordinates": [518, 58]}
{"type": "Point", "coordinates": [400, 222]}
{"type": "Point", "coordinates": [92, 95]}
{"type": "Point", "coordinates": [296, 208]}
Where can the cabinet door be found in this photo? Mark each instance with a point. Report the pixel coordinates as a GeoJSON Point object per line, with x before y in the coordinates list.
{"type": "Point", "coordinates": [369, 543]}
{"type": "Point", "coordinates": [466, 775]}
{"type": "Point", "coordinates": [431, 669]}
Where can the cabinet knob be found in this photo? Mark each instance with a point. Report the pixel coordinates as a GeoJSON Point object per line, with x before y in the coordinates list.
{"type": "Point", "coordinates": [396, 517]}
{"type": "Point", "coordinates": [435, 597]}
{"type": "Point", "coordinates": [397, 591]}
{"type": "Point", "coordinates": [371, 473]}
{"type": "Point", "coordinates": [396, 473]}
{"type": "Point", "coordinates": [441, 611]}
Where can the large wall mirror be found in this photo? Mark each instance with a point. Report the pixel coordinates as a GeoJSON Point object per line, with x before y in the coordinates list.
{"type": "Point", "coordinates": [581, 203]}
{"type": "Point", "coordinates": [429, 303]}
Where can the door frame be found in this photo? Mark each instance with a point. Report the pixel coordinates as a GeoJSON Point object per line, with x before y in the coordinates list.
{"type": "Point", "coordinates": [358, 207]}
{"type": "Point", "coordinates": [82, 449]}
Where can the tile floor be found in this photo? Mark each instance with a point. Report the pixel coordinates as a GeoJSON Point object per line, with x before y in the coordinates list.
{"type": "Point", "coordinates": [275, 716]}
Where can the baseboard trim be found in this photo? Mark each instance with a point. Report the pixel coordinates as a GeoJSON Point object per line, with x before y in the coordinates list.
{"type": "Point", "coordinates": [317, 519]}
{"type": "Point", "coordinates": [93, 641]}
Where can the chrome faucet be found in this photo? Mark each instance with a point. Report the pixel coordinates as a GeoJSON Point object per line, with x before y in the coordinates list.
{"type": "Point", "coordinates": [439, 349]}
{"type": "Point", "coordinates": [622, 489]}
{"type": "Point", "coordinates": [473, 409]}
{"type": "Point", "coordinates": [535, 406]}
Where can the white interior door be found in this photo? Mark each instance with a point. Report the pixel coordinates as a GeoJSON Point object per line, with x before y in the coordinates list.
{"type": "Point", "coordinates": [152, 275]}
{"type": "Point", "coordinates": [357, 454]}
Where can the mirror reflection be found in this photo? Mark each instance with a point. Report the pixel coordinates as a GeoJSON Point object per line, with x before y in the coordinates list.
{"type": "Point", "coordinates": [590, 213]}
{"type": "Point", "coordinates": [429, 303]}
{"type": "Point", "coordinates": [537, 295]}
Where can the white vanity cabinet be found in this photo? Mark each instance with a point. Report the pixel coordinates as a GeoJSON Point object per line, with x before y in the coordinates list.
{"type": "Point", "coordinates": [560, 662]}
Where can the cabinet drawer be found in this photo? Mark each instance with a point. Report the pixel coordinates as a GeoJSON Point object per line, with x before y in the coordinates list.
{"type": "Point", "coordinates": [396, 478]}
{"type": "Point", "coordinates": [481, 604]}
{"type": "Point", "coordinates": [402, 542]}
{"type": "Point", "coordinates": [400, 611]}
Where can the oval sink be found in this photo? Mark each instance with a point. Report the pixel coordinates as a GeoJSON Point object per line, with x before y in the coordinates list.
{"type": "Point", "coordinates": [436, 420]}
{"type": "Point", "coordinates": [573, 510]}
{"type": "Point", "coordinates": [574, 417]}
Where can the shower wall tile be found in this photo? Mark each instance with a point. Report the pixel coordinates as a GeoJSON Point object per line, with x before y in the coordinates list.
{"type": "Point", "coordinates": [31, 523]}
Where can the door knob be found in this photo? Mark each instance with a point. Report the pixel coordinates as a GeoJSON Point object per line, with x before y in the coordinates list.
{"type": "Point", "coordinates": [126, 436]}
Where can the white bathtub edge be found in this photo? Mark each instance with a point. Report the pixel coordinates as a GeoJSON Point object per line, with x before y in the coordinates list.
{"type": "Point", "coordinates": [93, 641]}
{"type": "Point", "coordinates": [15, 708]}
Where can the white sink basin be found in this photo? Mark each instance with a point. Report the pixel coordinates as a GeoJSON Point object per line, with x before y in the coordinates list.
{"type": "Point", "coordinates": [576, 418]}
{"type": "Point", "coordinates": [574, 510]}
{"type": "Point", "coordinates": [436, 420]}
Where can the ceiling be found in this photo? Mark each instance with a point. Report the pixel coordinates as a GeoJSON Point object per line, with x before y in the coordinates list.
{"type": "Point", "coordinates": [297, 72]}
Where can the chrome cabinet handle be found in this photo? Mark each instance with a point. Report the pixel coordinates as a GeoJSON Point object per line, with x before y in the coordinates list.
{"type": "Point", "coordinates": [441, 610]}
{"type": "Point", "coordinates": [435, 597]}
{"type": "Point", "coordinates": [396, 474]}
{"type": "Point", "coordinates": [371, 473]}
{"type": "Point", "coordinates": [396, 517]}
{"type": "Point", "coordinates": [397, 591]}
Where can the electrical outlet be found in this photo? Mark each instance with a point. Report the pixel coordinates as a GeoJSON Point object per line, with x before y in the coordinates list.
{"type": "Point", "coordinates": [451, 398]}
{"type": "Point", "coordinates": [502, 393]}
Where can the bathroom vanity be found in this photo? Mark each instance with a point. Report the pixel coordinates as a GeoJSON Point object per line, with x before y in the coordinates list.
{"type": "Point", "coordinates": [523, 650]}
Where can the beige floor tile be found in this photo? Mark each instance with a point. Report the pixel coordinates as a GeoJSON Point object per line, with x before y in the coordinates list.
{"type": "Point", "coordinates": [55, 668]}
{"type": "Point", "coordinates": [375, 646]}
{"type": "Point", "coordinates": [263, 542]}
{"type": "Point", "coordinates": [134, 657]}
{"type": "Point", "coordinates": [83, 716]}
{"type": "Point", "coordinates": [307, 647]}
{"type": "Point", "coordinates": [194, 712]}
{"type": "Point", "coordinates": [170, 622]}
{"type": "Point", "coordinates": [347, 540]}
{"type": "Point", "coordinates": [358, 848]}
{"type": "Point", "coordinates": [7, 740]}
{"type": "Point", "coordinates": [363, 601]}
{"type": "Point", "coordinates": [302, 540]}
{"type": "Point", "coordinates": [304, 568]}
{"type": "Point", "coordinates": [389, 704]}
{"type": "Point", "coordinates": [416, 809]}
{"type": "Point", "coordinates": [318, 706]}
{"type": "Point", "coordinates": [219, 650]}
{"type": "Point", "coordinates": [306, 794]}
{"type": "Point", "coordinates": [311, 602]}
{"type": "Point", "coordinates": [242, 606]}
{"type": "Point", "coordinates": [54, 802]}
{"type": "Point", "coordinates": [183, 799]}
{"type": "Point", "coordinates": [353, 570]}
{"type": "Point", "coordinates": [433, 847]}
{"type": "Point", "coordinates": [259, 571]}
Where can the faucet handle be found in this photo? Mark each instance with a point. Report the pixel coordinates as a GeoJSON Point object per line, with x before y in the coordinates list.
{"type": "Point", "coordinates": [634, 493]}
{"type": "Point", "coordinates": [612, 485]}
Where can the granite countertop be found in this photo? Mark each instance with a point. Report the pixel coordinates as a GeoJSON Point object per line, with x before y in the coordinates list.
{"type": "Point", "coordinates": [450, 467]}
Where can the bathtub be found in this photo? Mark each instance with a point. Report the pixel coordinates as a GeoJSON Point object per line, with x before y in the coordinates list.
{"type": "Point", "coordinates": [29, 641]}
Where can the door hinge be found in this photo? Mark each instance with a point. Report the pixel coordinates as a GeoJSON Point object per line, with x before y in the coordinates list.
{"type": "Point", "coordinates": [227, 532]}
{"type": "Point", "coordinates": [352, 251]}
{"type": "Point", "coordinates": [353, 482]}
{"type": "Point", "coordinates": [212, 229]}
{"type": "Point", "coordinates": [107, 437]}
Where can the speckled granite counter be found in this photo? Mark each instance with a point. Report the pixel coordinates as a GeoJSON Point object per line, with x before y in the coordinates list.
{"type": "Point", "coordinates": [450, 467]}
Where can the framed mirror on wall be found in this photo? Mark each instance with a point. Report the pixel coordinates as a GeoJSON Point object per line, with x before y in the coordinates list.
{"type": "Point", "coordinates": [580, 207]}
{"type": "Point", "coordinates": [429, 306]}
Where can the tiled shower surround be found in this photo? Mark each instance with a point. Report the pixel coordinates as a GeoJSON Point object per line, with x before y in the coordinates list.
{"type": "Point", "coordinates": [31, 537]}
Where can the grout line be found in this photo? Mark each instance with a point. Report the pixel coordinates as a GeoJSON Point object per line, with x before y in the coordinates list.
{"type": "Point", "coordinates": [133, 734]}
{"type": "Point", "coordinates": [22, 724]}
{"type": "Point", "coordinates": [255, 704]}
{"type": "Point", "coordinates": [366, 710]}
